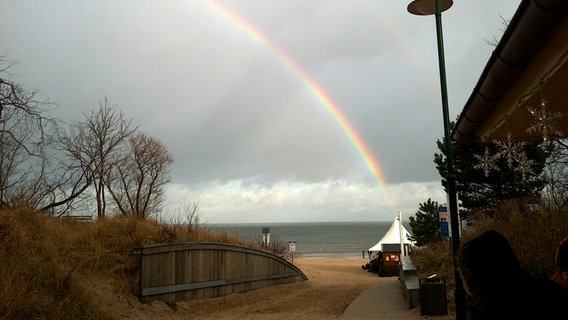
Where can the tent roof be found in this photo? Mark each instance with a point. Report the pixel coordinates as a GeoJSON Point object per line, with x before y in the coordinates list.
{"type": "Point", "coordinates": [393, 236]}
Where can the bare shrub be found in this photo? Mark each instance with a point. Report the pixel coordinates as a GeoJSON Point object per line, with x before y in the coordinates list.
{"type": "Point", "coordinates": [277, 248]}
{"type": "Point", "coordinates": [533, 231]}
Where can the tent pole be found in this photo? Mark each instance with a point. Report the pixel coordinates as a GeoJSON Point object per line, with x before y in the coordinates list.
{"type": "Point", "coordinates": [400, 233]}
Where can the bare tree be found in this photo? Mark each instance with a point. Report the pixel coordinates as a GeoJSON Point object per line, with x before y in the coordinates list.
{"type": "Point", "coordinates": [51, 170]}
{"type": "Point", "coordinates": [68, 182]}
{"type": "Point", "coordinates": [186, 215]}
{"type": "Point", "coordinates": [138, 179]}
{"type": "Point", "coordinates": [494, 41]}
{"type": "Point", "coordinates": [191, 214]}
{"type": "Point", "coordinates": [25, 133]}
{"type": "Point", "coordinates": [556, 173]}
{"type": "Point", "coordinates": [93, 147]}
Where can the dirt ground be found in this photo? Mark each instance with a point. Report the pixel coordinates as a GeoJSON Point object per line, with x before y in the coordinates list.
{"type": "Point", "coordinates": [333, 284]}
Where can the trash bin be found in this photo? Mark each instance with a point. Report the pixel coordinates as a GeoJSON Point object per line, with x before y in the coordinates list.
{"type": "Point", "coordinates": [433, 296]}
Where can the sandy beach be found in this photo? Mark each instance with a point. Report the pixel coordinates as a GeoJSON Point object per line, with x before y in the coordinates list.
{"type": "Point", "coordinates": [333, 284]}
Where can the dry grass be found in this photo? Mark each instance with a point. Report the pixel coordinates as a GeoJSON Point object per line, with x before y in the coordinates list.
{"type": "Point", "coordinates": [48, 265]}
{"type": "Point", "coordinates": [35, 280]}
{"type": "Point", "coordinates": [533, 234]}
{"type": "Point", "coordinates": [44, 261]}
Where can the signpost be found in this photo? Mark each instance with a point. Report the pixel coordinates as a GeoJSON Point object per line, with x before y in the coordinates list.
{"type": "Point", "coordinates": [292, 248]}
{"type": "Point", "coordinates": [265, 237]}
{"type": "Point", "coordinates": [444, 216]}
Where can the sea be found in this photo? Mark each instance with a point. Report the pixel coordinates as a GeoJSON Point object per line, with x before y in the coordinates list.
{"type": "Point", "coordinates": [314, 239]}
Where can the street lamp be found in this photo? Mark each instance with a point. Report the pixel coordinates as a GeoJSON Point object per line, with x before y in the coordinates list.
{"type": "Point", "coordinates": [436, 7]}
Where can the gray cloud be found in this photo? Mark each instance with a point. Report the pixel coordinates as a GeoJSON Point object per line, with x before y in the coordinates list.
{"type": "Point", "coordinates": [237, 117]}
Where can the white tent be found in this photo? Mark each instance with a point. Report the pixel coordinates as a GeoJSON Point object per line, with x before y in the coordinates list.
{"type": "Point", "coordinates": [391, 240]}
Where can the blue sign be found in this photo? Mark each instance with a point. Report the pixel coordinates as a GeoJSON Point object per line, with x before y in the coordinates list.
{"type": "Point", "coordinates": [444, 229]}
{"type": "Point", "coordinates": [444, 217]}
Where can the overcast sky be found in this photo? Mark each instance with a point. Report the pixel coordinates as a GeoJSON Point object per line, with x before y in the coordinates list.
{"type": "Point", "coordinates": [229, 87]}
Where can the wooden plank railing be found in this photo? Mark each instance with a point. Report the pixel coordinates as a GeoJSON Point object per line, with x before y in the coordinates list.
{"type": "Point", "coordinates": [184, 271]}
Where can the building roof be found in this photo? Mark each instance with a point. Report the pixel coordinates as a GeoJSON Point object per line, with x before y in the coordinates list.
{"type": "Point", "coordinates": [527, 66]}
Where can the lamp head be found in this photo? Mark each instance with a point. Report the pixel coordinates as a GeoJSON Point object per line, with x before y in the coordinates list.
{"type": "Point", "coordinates": [428, 7]}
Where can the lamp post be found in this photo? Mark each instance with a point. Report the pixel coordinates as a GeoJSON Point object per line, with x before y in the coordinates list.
{"type": "Point", "coordinates": [436, 7]}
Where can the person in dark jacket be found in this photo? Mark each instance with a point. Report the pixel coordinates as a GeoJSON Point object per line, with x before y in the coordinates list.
{"type": "Point", "coordinates": [497, 286]}
{"type": "Point", "coordinates": [561, 272]}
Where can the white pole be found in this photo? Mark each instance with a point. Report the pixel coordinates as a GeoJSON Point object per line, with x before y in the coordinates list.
{"type": "Point", "coordinates": [400, 234]}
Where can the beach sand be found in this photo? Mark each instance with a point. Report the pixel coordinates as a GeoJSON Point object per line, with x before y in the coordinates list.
{"type": "Point", "coordinates": [333, 284]}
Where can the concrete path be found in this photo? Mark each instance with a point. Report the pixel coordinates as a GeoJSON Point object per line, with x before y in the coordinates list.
{"type": "Point", "coordinates": [384, 300]}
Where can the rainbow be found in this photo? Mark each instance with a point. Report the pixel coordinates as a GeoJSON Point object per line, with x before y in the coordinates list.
{"type": "Point", "coordinates": [335, 111]}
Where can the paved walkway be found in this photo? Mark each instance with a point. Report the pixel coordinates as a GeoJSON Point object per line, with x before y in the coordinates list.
{"type": "Point", "coordinates": [384, 300]}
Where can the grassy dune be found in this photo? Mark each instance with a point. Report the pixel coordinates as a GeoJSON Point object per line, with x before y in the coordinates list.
{"type": "Point", "coordinates": [45, 262]}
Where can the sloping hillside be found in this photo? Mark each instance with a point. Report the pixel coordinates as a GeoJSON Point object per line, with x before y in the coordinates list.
{"type": "Point", "coordinates": [52, 268]}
